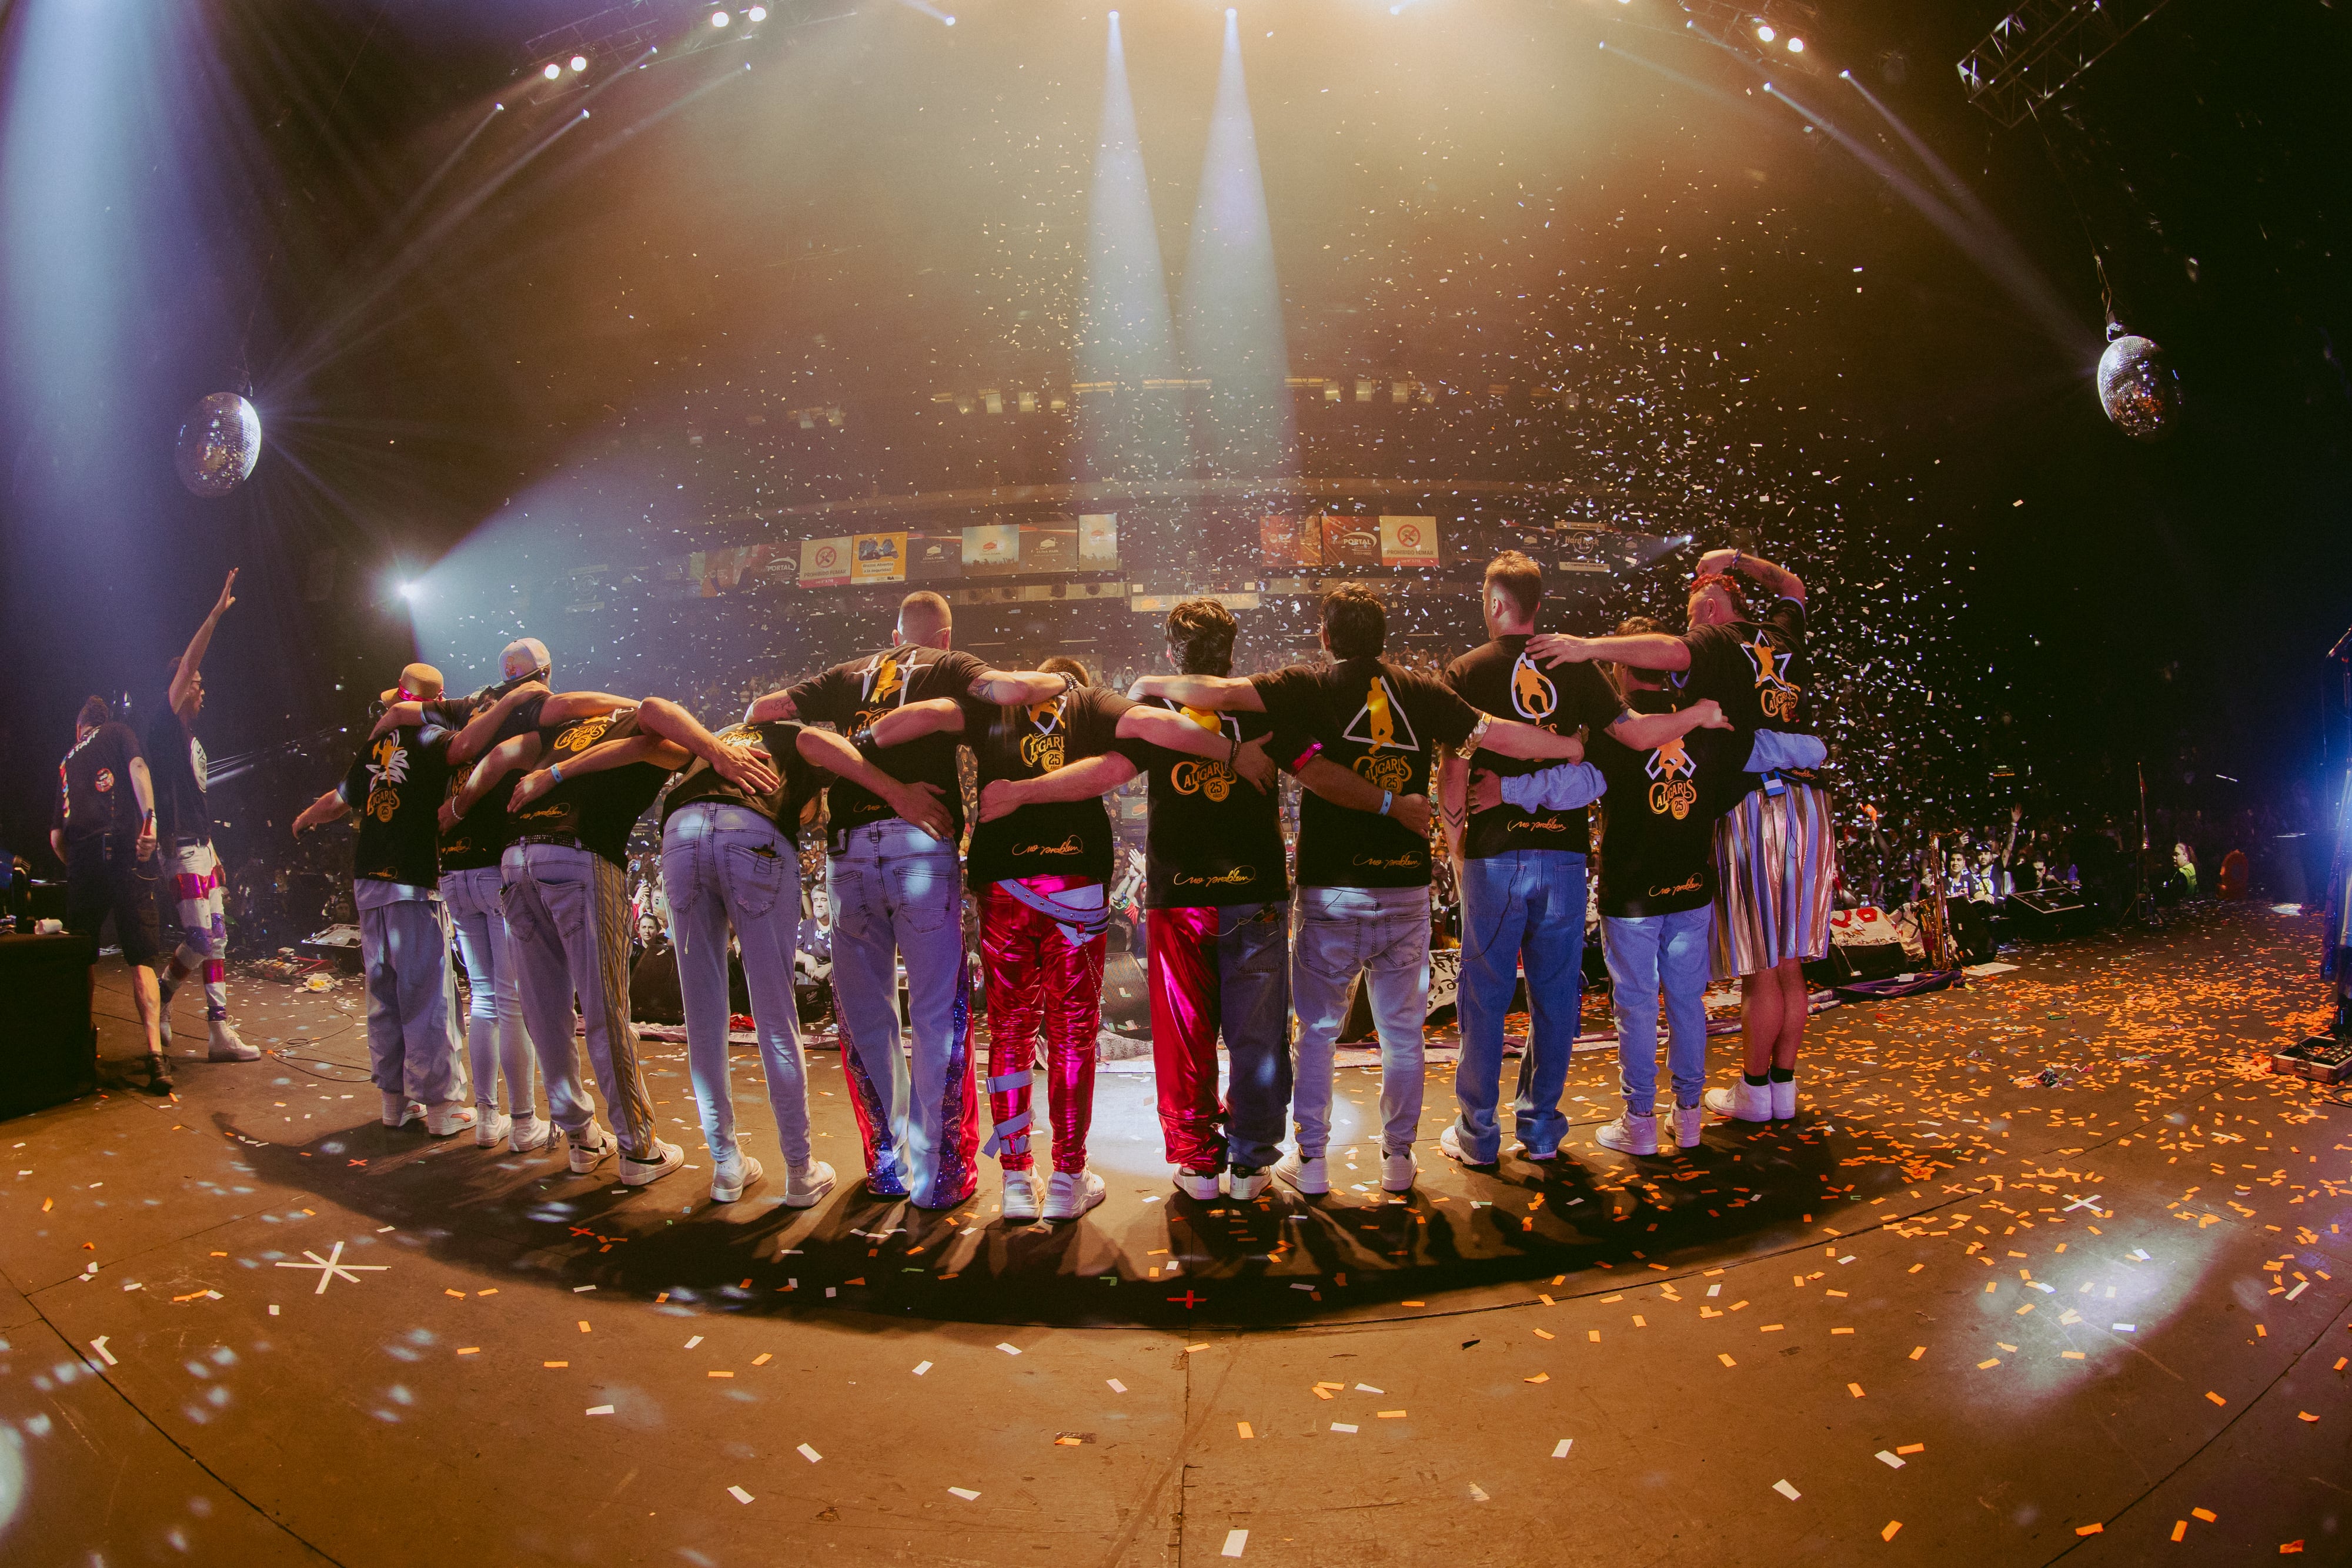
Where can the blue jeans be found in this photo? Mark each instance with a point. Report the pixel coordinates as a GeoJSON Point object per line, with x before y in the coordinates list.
{"type": "Point", "coordinates": [1524, 907]}
{"type": "Point", "coordinates": [897, 892]}
{"type": "Point", "coordinates": [411, 1000]}
{"type": "Point", "coordinates": [1644, 952]}
{"type": "Point", "coordinates": [1382, 934]}
{"type": "Point", "coordinates": [726, 865]}
{"type": "Point", "coordinates": [496, 1039]}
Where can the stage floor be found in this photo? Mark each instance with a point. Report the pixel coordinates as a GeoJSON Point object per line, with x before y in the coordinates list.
{"type": "Point", "coordinates": [2050, 1265]}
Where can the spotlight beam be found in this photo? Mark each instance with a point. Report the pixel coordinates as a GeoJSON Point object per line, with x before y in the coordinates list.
{"type": "Point", "coordinates": [1125, 337]}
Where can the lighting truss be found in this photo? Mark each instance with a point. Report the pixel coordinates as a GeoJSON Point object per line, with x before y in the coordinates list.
{"type": "Point", "coordinates": [2041, 48]}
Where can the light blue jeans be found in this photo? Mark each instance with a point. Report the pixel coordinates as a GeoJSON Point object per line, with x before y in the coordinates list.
{"type": "Point", "coordinates": [726, 865]}
{"type": "Point", "coordinates": [494, 1036]}
{"type": "Point", "coordinates": [1382, 934]}
{"type": "Point", "coordinates": [897, 892]}
{"type": "Point", "coordinates": [1527, 906]}
{"type": "Point", "coordinates": [411, 1000]}
{"type": "Point", "coordinates": [1644, 953]}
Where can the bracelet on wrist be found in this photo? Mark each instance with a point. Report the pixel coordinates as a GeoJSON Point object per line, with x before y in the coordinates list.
{"type": "Point", "coordinates": [1388, 799]}
{"type": "Point", "coordinates": [555, 772]}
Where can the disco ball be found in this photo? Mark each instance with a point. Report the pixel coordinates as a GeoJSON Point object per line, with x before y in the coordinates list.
{"type": "Point", "coordinates": [2137, 387]}
{"type": "Point", "coordinates": [220, 440]}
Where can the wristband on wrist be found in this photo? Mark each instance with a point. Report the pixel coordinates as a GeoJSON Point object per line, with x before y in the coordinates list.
{"type": "Point", "coordinates": [1234, 752]}
{"type": "Point", "coordinates": [1388, 799]}
{"type": "Point", "coordinates": [555, 772]}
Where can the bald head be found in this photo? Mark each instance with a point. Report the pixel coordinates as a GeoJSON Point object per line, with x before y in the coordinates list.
{"type": "Point", "coordinates": [924, 618]}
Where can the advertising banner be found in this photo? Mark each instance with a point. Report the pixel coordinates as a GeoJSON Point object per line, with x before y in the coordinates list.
{"type": "Point", "coordinates": [880, 558]}
{"type": "Point", "coordinates": [1349, 541]}
{"type": "Point", "coordinates": [825, 564]}
{"type": "Point", "coordinates": [934, 557]}
{"type": "Point", "coordinates": [993, 547]}
{"type": "Point", "coordinates": [1409, 541]}
{"type": "Point", "coordinates": [1098, 539]}
{"type": "Point", "coordinates": [1049, 547]}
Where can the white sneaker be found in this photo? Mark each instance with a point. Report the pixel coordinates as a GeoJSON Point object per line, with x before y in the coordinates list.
{"type": "Point", "coordinates": [1071, 1193]}
{"type": "Point", "coordinates": [444, 1117]}
{"type": "Point", "coordinates": [730, 1178]}
{"type": "Point", "coordinates": [1304, 1175]}
{"type": "Point", "coordinates": [1690, 1123]}
{"type": "Point", "coordinates": [588, 1146]}
{"type": "Point", "coordinates": [228, 1047]}
{"type": "Point", "coordinates": [807, 1187]}
{"type": "Point", "coordinates": [1449, 1144]}
{"type": "Point", "coordinates": [1201, 1185]}
{"type": "Point", "coordinates": [1398, 1173]}
{"type": "Point", "coordinates": [1629, 1134]}
{"type": "Point", "coordinates": [490, 1125]}
{"type": "Point", "coordinates": [1784, 1099]}
{"type": "Point", "coordinates": [1743, 1102]}
{"type": "Point", "coordinates": [1247, 1181]}
{"type": "Point", "coordinates": [399, 1111]}
{"type": "Point", "coordinates": [1020, 1197]}
{"type": "Point", "coordinates": [666, 1158]}
{"type": "Point", "coordinates": [530, 1133]}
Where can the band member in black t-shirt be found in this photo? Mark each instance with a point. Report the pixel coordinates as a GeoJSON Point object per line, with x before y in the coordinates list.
{"type": "Point", "coordinates": [564, 878]}
{"type": "Point", "coordinates": [1522, 875]}
{"type": "Point", "coordinates": [104, 831]}
{"type": "Point", "coordinates": [1776, 852]}
{"type": "Point", "coordinates": [394, 787]}
{"type": "Point", "coordinates": [1363, 882]}
{"type": "Point", "coordinates": [730, 859]}
{"type": "Point", "coordinates": [1041, 860]}
{"type": "Point", "coordinates": [185, 838]}
{"type": "Point", "coordinates": [898, 892]}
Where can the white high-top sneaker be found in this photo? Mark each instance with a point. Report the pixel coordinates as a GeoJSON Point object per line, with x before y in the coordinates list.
{"type": "Point", "coordinates": [1304, 1175]}
{"type": "Point", "coordinates": [1690, 1123]}
{"type": "Point", "coordinates": [1743, 1102]}
{"type": "Point", "coordinates": [1784, 1099]}
{"type": "Point", "coordinates": [1629, 1134]}
{"type": "Point", "coordinates": [1021, 1195]}
{"type": "Point", "coordinates": [1071, 1193]}
{"type": "Point", "coordinates": [227, 1045]}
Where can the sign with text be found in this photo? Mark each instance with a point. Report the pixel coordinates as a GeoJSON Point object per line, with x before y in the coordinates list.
{"type": "Point", "coordinates": [825, 564]}
{"type": "Point", "coordinates": [1409, 541]}
{"type": "Point", "coordinates": [880, 558]}
{"type": "Point", "coordinates": [1349, 541]}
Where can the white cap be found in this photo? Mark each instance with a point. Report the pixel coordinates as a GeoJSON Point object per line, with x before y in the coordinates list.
{"type": "Point", "coordinates": [521, 657]}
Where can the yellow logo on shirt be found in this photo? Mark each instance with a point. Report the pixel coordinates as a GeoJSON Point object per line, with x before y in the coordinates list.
{"type": "Point", "coordinates": [1533, 695]}
{"type": "Point", "coordinates": [1193, 777]}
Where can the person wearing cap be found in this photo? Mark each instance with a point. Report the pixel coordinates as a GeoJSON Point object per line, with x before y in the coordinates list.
{"type": "Point", "coordinates": [394, 786]}
{"type": "Point", "coordinates": [104, 831]}
{"type": "Point", "coordinates": [184, 826]}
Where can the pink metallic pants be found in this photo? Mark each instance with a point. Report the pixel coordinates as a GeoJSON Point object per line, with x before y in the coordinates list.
{"type": "Point", "coordinates": [1037, 979]}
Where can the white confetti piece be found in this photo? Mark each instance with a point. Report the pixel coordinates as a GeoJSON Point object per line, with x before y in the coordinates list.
{"type": "Point", "coordinates": [2141, 1253]}
{"type": "Point", "coordinates": [738, 1494]}
{"type": "Point", "coordinates": [600, 1410]}
{"type": "Point", "coordinates": [695, 1341]}
{"type": "Point", "coordinates": [273, 1309]}
{"type": "Point", "coordinates": [1343, 1425]}
{"type": "Point", "coordinates": [964, 1492]}
{"type": "Point", "coordinates": [99, 1344]}
{"type": "Point", "coordinates": [1785, 1490]}
{"type": "Point", "coordinates": [1009, 1349]}
{"type": "Point", "coordinates": [1116, 1385]}
{"type": "Point", "coordinates": [810, 1455]}
{"type": "Point", "coordinates": [921, 1367]}
{"type": "Point", "coordinates": [1847, 1259]}
{"type": "Point", "coordinates": [2300, 1288]}
{"type": "Point", "coordinates": [578, 1289]}
{"type": "Point", "coordinates": [1890, 1460]}
{"type": "Point", "coordinates": [1478, 1493]}
{"type": "Point", "coordinates": [1236, 1540]}
{"type": "Point", "coordinates": [1560, 1449]}
{"type": "Point", "coordinates": [1367, 1389]}
{"type": "Point", "coordinates": [2126, 1328]}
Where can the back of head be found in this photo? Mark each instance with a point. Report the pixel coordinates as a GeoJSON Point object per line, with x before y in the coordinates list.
{"type": "Point", "coordinates": [1063, 665]}
{"type": "Point", "coordinates": [924, 617]}
{"type": "Point", "coordinates": [1201, 635]}
{"type": "Point", "coordinates": [93, 716]}
{"type": "Point", "coordinates": [524, 656]}
{"type": "Point", "coordinates": [1355, 626]}
{"type": "Point", "coordinates": [1625, 676]}
{"type": "Point", "coordinates": [1716, 599]}
{"type": "Point", "coordinates": [1520, 582]}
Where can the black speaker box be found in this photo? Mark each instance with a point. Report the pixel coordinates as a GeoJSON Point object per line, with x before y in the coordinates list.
{"type": "Point", "coordinates": [49, 1051]}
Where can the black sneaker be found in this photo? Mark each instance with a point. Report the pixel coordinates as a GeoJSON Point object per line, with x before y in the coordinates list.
{"type": "Point", "coordinates": [159, 1075]}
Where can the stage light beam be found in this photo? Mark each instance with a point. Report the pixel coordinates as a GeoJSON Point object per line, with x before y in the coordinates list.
{"type": "Point", "coordinates": [1125, 340]}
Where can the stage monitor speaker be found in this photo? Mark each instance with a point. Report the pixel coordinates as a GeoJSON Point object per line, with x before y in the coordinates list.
{"type": "Point", "coordinates": [1126, 995]}
{"type": "Point", "coordinates": [340, 945]}
{"type": "Point", "coordinates": [2048, 914]}
{"type": "Point", "coordinates": [48, 1054]}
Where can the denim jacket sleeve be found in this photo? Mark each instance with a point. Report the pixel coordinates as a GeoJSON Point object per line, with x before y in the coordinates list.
{"type": "Point", "coordinates": [1561, 789]}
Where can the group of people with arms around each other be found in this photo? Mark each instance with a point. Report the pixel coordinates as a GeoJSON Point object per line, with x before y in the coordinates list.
{"type": "Point", "coordinates": [504, 819]}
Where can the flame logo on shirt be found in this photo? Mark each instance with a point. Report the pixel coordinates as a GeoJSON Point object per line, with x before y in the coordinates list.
{"type": "Point", "coordinates": [387, 771]}
{"type": "Point", "coordinates": [1533, 695]}
{"type": "Point", "coordinates": [1378, 719]}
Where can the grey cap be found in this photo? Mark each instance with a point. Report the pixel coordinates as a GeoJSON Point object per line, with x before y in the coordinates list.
{"type": "Point", "coordinates": [521, 657]}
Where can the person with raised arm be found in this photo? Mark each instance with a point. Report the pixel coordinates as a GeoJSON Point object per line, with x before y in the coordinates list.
{"type": "Point", "coordinates": [1775, 849]}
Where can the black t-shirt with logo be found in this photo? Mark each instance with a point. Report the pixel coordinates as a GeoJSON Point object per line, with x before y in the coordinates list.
{"type": "Point", "coordinates": [394, 789]}
{"type": "Point", "coordinates": [1657, 841]}
{"type": "Point", "coordinates": [596, 808]}
{"type": "Point", "coordinates": [177, 769]}
{"type": "Point", "coordinates": [1387, 724]}
{"type": "Point", "coordinates": [481, 834]}
{"type": "Point", "coordinates": [852, 697]}
{"type": "Point", "coordinates": [1501, 679]}
{"type": "Point", "coordinates": [1054, 838]}
{"type": "Point", "coordinates": [1211, 838]}
{"type": "Point", "coordinates": [797, 782]}
{"type": "Point", "coordinates": [94, 792]}
{"type": "Point", "coordinates": [1757, 669]}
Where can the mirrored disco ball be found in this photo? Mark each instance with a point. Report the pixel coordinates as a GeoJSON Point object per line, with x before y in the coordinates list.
{"type": "Point", "coordinates": [2138, 389]}
{"type": "Point", "coordinates": [220, 440]}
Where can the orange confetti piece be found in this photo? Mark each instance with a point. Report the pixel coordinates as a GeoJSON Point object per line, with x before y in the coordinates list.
{"type": "Point", "coordinates": [1389, 1415]}
{"type": "Point", "coordinates": [1542, 1334]}
{"type": "Point", "coordinates": [583, 1325]}
{"type": "Point", "coordinates": [1912, 1448]}
{"type": "Point", "coordinates": [469, 1350]}
{"type": "Point", "coordinates": [764, 1357]}
{"type": "Point", "coordinates": [2306, 1415]}
{"type": "Point", "coordinates": [1854, 1389]}
{"type": "Point", "coordinates": [1892, 1526]}
{"type": "Point", "coordinates": [2204, 1515]}
{"type": "Point", "coordinates": [2215, 1397]}
{"type": "Point", "coordinates": [1725, 1359]}
{"type": "Point", "coordinates": [1918, 1351]}
{"type": "Point", "coordinates": [555, 1364]}
{"type": "Point", "coordinates": [718, 1375]}
{"type": "Point", "coordinates": [1243, 1428]}
{"type": "Point", "coordinates": [2179, 1529]}
{"type": "Point", "coordinates": [2090, 1529]}
{"type": "Point", "coordinates": [1538, 1377]}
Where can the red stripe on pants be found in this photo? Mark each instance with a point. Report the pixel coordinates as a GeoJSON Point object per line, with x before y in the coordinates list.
{"type": "Point", "coordinates": [1035, 979]}
{"type": "Point", "coordinates": [1185, 1010]}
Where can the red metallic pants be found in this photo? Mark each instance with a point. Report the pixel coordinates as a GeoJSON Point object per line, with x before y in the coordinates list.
{"type": "Point", "coordinates": [1036, 978]}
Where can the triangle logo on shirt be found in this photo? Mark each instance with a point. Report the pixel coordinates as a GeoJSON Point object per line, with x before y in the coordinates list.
{"type": "Point", "coordinates": [1382, 721]}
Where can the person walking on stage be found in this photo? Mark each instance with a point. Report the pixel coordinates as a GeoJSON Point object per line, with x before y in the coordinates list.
{"type": "Point", "coordinates": [394, 787]}
{"type": "Point", "coordinates": [897, 892]}
{"type": "Point", "coordinates": [104, 831]}
{"type": "Point", "coordinates": [1522, 875]}
{"type": "Point", "coordinates": [1363, 884]}
{"type": "Point", "coordinates": [184, 824]}
{"type": "Point", "coordinates": [1775, 852]}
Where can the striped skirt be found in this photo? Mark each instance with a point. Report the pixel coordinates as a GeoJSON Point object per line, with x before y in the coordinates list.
{"type": "Point", "coordinates": [1776, 862]}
